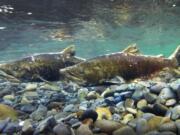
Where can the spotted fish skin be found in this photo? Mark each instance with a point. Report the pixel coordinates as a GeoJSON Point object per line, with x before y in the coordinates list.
{"type": "Point", "coordinates": [129, 66]}
{"type": "Point", "coordinates": [45, 66]}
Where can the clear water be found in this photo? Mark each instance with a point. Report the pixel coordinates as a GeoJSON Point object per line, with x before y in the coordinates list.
{"type": "Point", "coordinates": [156, 30]}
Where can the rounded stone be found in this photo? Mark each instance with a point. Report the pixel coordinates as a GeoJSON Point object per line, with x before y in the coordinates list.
{"type": "Point", "coordinates": [167, 133]}
{"type": "Point", "coordinates": [128, 117]}
{"type": "Point", "coordinates": [124, 131]}
{"type": "Point", "coordinates": [141, 126]}
{"type": "Point", "coordinates": [68, 108]}
{"type": "Point", "coordinates": [82, 130]}
{"type": "Point", "coordinates": [175, 112]}
{"type": "Point", "coordinates": [171, 126]}
{"type": "Point", "coordinates": [170, 102]}
{"type": "Point", "coordinates": [151, 98]}
{"type": "Point", "coordinates": [142, 103]}
{"type": "Point", "coordinates": [158, 87]}
{"type": "Point", "coordinates": [107, 126]}
{"type": "Point", "coordinates": [129, 103]}
{"type": "Point", "coordinates": [62, 129]}
{"type": "Point", "coordinates": [31, 86]}
{"type": "Point", "coordinates": [167, 93]}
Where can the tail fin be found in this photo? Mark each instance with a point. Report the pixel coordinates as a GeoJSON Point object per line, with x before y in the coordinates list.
{"type": "Point", "coordinates": [176, 56]}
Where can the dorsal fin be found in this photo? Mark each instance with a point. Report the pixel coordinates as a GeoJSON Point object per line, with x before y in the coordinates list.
{"type": "Point", "coordinates": [175, 56]}
{"type": "Point", "coordinates": [70, 50]}
{"type": "Point", "coordinates": [132, 49]}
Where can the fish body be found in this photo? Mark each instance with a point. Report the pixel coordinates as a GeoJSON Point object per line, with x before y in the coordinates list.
{"type": "Point", "coordinates": [45, 66]}
{"type": "Point", "coordinates": [98, 70]}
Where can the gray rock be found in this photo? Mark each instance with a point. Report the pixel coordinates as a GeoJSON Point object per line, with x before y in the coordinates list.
{"type": "Point", "coordinates": [39, 114]}
{"type": "Point", "coordinates": [170, 102]}
{"type": "Point", "coordinates": [167, 133]}
{"type": "Point", "coordinates": [171, 126]}
{"type": "Point", "coordinates": [175, 112]}
{"type": "Point", "coordinates": [27, 128]}
{"type": "Point", "coordinates": [11, 128]}
{"type": "Point", "coordinates": [68, 108]}
{"type": "Point", "coordinates": [46, 125]}
{"type": "Point", "coordinates": [142, 103]}
{"type": "Point", "coordinates": [153, 133]}
{"type": "Point", "coordinates": [160, 109]}
{"type": "Point", "coordinates": [107, 126]}
{"type": "Point", "coordinates": [124, 131]}
{"type": "Point", "coordinates": [158, 87]}
{"type": "Point", "coordinates": [167, 93]}
{"type": "Point", "coordinates": [129, 103]}
{"type": "Point", "coordinates": [177, 122]}
{"type": "Point", "coordinates": [62, 129]}
{"type": "Point", "coordinates": [3, 124]}
{"type": "Point", "coordinates": [175, 85]}
{"type": "Point", "coordinates": [151, 98]}
{"type": "Point", "coordinates": [84, 130]}
{"type": "Point", "coordinates": [137, 95]}
{"type": "Point", "coordinates": [141, 126]}
{"type": "Point", "coordinates": [120, 106]}
{"type": "Point", "coordinates": [28, 108]}
{"type": "Point", "coordinates": [116, 117]}
{"type": "Point", "coordinates": [147, 116]}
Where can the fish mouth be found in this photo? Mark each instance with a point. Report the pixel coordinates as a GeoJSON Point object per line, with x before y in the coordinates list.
{"type": "Point", "coordinates": [68, 76]}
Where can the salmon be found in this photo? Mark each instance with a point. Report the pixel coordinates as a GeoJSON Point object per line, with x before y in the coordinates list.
{"type": "Point", "coordinates": [127, 65]}
{"type": "Point", "coordinates": [45, 66]}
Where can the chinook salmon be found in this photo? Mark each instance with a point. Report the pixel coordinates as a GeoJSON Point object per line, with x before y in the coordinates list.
{"type": "Point", "coordinates": [44, 66]}
{"type": "Point", "coordinates": [127, 65]}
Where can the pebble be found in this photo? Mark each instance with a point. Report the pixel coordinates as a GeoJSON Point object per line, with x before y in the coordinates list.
{"type": "Point", "coordinates": [128, 117]}
{"type": "Point", "coordinates": [84, 130]}
{"type": "Point", "coordinates": [170, 102]}
{"type": "Point", "coordinates": [150, 98]}
{"type": "Point", "coordinates": [68, 108]}
{"type": "Point", "coordinates": [45, 125]}
{"type": "Point", "coordinates": [171, 126]}
{"type": "Point", "coordinates": [61, 129]}
{"type": "Point", "coordinates": [158, 87]}
{"type": "Point", "coordinates": [107, 126]}
{"type": "Point", "coordinates": [131, 110]}
{"type": "Point", "coordinates": [142, 103]}
{"type": "Point", "coordinates": [141, 126]}
{"type": "Point", "coordinates": [167, 93]}
{"type": "Point", "coordinates": [175, 112]}
{"type": "Point", "coordinates": [3, 124]}
{"type": "Point", "coordinates": [11, 127]}
{"type": "Point", "coordinates": [124, 131]}
{"type": "Point", "coordinates": [31, 86]}
{"type": "Point", "coordinates": [39, 114]}
{"type": "Point", "coordinates": [9, 97]}
{"type": "Point", "coordinates": [28, 108]}
{"type": "Point", "coordinates": [27, 128]}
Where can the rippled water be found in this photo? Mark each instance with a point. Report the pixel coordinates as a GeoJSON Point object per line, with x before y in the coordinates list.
{"type": "Point", "coordinates": [155, 29]}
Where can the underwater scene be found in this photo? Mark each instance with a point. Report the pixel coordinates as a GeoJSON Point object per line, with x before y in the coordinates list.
{"type": "Point", "coordinates": [90, 67]}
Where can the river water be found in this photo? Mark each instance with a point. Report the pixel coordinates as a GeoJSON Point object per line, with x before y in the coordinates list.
{"type": "Point", "coordinates": [154, 28]}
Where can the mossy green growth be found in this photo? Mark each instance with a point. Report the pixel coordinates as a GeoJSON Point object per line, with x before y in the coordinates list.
{"type": "Point", "coordinates": [6, 111]}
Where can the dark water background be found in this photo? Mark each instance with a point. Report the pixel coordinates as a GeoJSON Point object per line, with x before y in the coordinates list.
{"type": "Point", "coordinates": [95, 26]}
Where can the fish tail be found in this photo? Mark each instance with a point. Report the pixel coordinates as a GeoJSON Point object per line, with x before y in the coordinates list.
{"type": "Point", "coordinates": [176, 56]}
